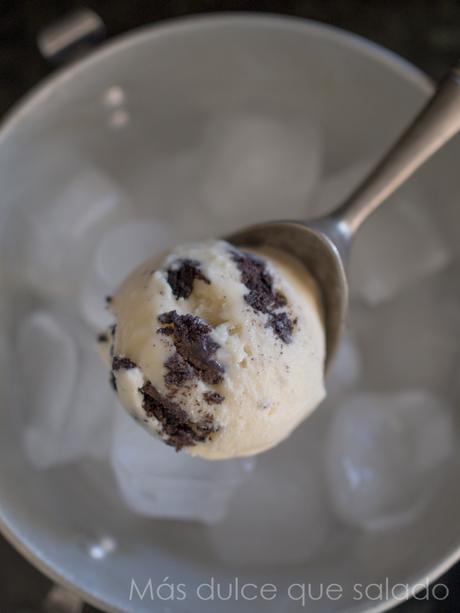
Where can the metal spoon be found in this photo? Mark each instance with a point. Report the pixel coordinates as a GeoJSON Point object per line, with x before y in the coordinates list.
{"type": "Point", "coordinates": [323, 244]}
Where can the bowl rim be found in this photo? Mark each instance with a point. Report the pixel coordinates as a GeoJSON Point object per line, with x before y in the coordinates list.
{"type": "Point", "coordinates": [172, 27]}
{"type": "Point", "coordinates": [45, 88]}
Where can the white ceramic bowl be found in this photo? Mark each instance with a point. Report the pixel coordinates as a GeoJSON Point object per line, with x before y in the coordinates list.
{"type": "Point", "coordinates": [145, 94]}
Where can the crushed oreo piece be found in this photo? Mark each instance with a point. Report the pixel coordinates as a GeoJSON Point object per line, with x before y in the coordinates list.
{"type": "Point", "coordinates": [192, 340]}
{"type": "Point", "coordinates": [262, 296]}
{"type": "Point", "coordinates": [282, 326]}
{"type": "Point", "coordinates": [255, 276]}
{"type": "Point", "coordinates": [213, 397]}
{"type": "Point", "coordinates": [102, 338]}
{"type": "Point", "coordinates": [119, 363]}
{"type": "Point", "coordinates": [280, 300]}
{"type": "Point", "coordinates": [178, 371]}
{"type": "Point", "coordinates": [165, 331]}
{"type": "Point", "coordinates": [113, 329]}
{"type": "Point", "coordinates": [181, 277]}
{"type": "Point", "coordinates": [178, 429]}
{"type": "Point", "coordinates": [108, 299]}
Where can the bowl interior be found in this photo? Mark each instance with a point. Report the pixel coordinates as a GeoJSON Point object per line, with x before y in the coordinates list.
{"type": "Point", "coordinates": [160, 128]}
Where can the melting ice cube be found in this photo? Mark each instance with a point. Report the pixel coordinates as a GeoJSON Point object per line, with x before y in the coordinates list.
{"type": "Point", "coordinates": [156, 481]}
{"type": "Point", "coordinates": [48, 241]}
{"type": "Point", "coordinates": [120, 249]}
{"type": "Point", "coordinates": [279, 514]}
{"type": "Point", "coordinates": [384, 453]}
{"type": "Point", "coordinates": [411, 341]}
{"type": "Point", "coordinates": [259, 167]}
{"type": "Point", "coordinates": [65, 393]}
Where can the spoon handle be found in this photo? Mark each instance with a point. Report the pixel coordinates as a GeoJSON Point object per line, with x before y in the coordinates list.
{"type": "Point", "coordinates": [437, 122]}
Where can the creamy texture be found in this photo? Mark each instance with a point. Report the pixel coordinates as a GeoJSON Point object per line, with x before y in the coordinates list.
{"type": "Point", "coordinates": [217, 351]}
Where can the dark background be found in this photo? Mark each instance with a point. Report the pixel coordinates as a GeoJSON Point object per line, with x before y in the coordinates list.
{"type": "Point", "coordinates": [426, 32]}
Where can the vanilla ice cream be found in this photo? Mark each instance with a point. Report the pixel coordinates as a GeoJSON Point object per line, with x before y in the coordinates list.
{"type": "Point", "coordinates": [218, 351]}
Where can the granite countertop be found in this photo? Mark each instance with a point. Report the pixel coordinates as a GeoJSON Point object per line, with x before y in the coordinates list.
{"type": "Point", "coordinates": [426, 32]}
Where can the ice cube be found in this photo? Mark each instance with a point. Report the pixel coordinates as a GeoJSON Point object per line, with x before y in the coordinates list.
{"type": "Point", "coordinates": [384, 454]}
{"type": "Point", "coordinates": [89, 428]}
{"type": "Point", "coordinates": [156, 481]}
{"type": "Point", "coordinates": [50, 239]}
{"type": "Point", "coordinates": [48, 361]}
{"type": "Point", "coordinates": [345, 368]}
{"type": "Point", "coordinates": [259, 166]}
{"type": "Point", "coordinates": [411, 341]}
{"type": "Point", "coordinates": [66, 396]}
{"type": "Point", "coordinates": [279, 514]}
{"type": "Point", "coordinates": [92, 301]}
{"type": "Point", "coordinates": [397, 247]}
{"type": "Point", "coordinates": [121, 248]}
{"type": "Point", "coordinates": [125, 246]}
{"type": "Point", "coordinates": [171, 186]}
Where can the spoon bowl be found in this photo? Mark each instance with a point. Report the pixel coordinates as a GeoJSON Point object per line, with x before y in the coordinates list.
{"type": "Point", "coordinates": [318, 246]}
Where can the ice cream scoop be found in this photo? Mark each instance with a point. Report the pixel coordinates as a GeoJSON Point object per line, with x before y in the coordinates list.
{"type": "Point", "coordinates": [222, 351]}
{"type": "Point", "coordinates": [216, 350]}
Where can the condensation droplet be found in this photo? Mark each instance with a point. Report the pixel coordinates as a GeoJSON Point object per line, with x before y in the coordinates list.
{"type": "Point", "coordinates": [113, 96]}
{"type": "Point", "coordinates": [102, 548]}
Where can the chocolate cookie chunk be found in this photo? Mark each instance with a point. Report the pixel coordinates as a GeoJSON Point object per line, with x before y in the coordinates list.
{"type": "Point", "coordinates": [119, 362]}
{"type": "Point", "coordinates": [213, 397]}
{"type": "Point", "coordinates": [282, 326]}
{"type": "Point", "coordinates": [179, 430]}
{"type": "Point", "coordinates": [192, 340]}
{"type": "Point", "coordinates": [181, 276]}
{"type": "Point", "coordinates": [255, 276]}
{"type": "Point", "coordinates": [262, 296]}
{"type": "Point", "coordinates": [178, 371]}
